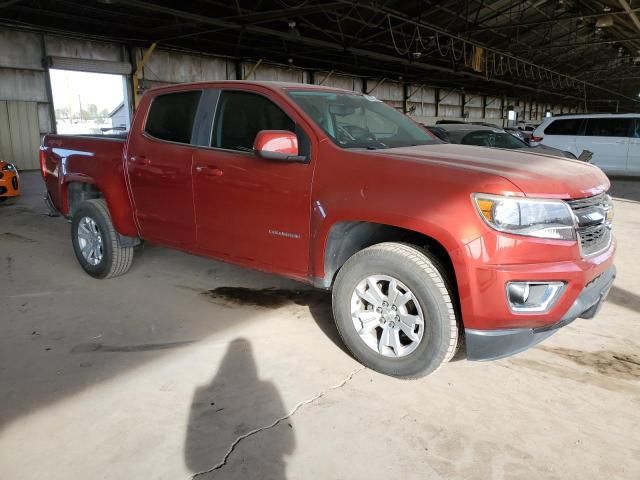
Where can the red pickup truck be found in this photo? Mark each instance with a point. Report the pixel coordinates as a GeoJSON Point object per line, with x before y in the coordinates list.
{"type": "Point", "coordinates": [427, 246]}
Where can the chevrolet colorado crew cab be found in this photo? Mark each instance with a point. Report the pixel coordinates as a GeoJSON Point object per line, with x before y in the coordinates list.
{"type": "Point", "coordinates": [427, 246]}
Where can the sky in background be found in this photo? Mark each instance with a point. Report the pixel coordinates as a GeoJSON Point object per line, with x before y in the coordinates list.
{"type": "Point", "coordinates": [105, 91]}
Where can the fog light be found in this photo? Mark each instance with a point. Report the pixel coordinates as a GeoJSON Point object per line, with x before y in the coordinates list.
{"type": "Point", "coordinates": [533, 297]}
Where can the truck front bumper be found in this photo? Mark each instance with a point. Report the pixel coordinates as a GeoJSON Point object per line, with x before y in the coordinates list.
{"type": "Point", "coordinates": [494, 344]}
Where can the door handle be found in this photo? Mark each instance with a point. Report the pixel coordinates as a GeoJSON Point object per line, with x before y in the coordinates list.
{"type": "Point", "coordinates": [141, 160]}
{"type": "Point", "coordinates": [209, 170]}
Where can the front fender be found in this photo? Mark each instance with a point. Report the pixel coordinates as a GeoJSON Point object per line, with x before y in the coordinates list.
{"type": "Point", "coordinates": [349, 228]}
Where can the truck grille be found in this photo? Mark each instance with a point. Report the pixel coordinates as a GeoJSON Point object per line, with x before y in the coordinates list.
{"type": "Point", "coordinates": [593, 223]}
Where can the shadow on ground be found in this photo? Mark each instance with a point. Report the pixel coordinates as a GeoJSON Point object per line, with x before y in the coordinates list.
{"type": "Point", "coordinates": [235, 403]}
{"type": "Point", "coordinates": [625, 188]}
{"type": "Point", "coordinates": [623, 298]}
{"type": "Point", "coordinates": [318, 302]}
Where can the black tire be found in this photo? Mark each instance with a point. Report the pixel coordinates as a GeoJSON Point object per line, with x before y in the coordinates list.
{"type": "Point", "coordinates": [116, 260]}
{"type": "Point", "coordinates": [424, 276]}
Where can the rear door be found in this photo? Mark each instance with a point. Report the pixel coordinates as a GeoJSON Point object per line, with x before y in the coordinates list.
{"type": "Point", "coordinates": [249, 209]}
{"type": "Point", "coordinates": [608, 139]}
{"type": "Point", "coordinates": [633, 158]}
{"type": "Point", "coordinates": [159, 160]}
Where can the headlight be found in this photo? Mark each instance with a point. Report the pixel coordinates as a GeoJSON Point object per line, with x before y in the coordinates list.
{"type": "Point", "coordinates": [609, 210]}
{"type": "Point", "coordinates": [8, 166]}
{"type": "Point", "coordinates": [523, 216]}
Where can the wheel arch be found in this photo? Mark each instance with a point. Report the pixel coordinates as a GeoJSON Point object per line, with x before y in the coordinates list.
{"type": "Point", "coordinates": [76, 190]}
{"type": "Point", "coordinates": [345, 238]}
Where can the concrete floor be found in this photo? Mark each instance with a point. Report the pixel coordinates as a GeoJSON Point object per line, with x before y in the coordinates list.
{"type": "Point", "coordinates": [152, 376]}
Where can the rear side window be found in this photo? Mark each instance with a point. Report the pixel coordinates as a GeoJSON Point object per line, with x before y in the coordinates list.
{"type": "Point", "coordinates": [636, 128]}
{"type": "Point", "coordinates": [171, 116]}
{"type": "Point", "coordinates": [568, 126]}
{"type": "Point", "coordinates": [608, 127]}
{"type": "Point", "coordinates": [241, 115]}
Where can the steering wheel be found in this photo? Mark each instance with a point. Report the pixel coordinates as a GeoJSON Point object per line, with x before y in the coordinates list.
{"type": "Point", "coordinates": [345, 132]}
{"type": "Point", "coordinates": [359, 133]}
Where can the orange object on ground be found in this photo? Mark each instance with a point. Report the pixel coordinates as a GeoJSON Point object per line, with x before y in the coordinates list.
{"type": "Point", "coordinates": [9, 181]}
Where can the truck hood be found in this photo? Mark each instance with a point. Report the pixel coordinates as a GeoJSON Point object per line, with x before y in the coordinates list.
{"type": "Point", "coordinates": [536, 175]}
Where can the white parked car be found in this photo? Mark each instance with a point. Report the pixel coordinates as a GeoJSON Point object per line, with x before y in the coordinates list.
{"type": "Point", "coordinates": [613, 138]}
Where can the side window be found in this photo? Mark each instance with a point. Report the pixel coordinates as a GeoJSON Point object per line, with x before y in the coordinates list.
{"type": "Point", "coordinates": [241, 115]}
{"type": "Point", "coordinates": [636, 128]}
{"type": "Point", "coordinates": [608, 127]}
{"type": "Point", "coordinates": [171, 116]}
{"type": "Point", "coordinates": [569, 126]}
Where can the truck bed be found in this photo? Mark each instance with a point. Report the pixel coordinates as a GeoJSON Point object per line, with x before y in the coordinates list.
{"type": "Point", "coordinates": [91, 159]}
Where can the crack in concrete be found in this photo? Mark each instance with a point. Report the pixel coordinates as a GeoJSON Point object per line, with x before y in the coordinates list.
{"type": "Point", "coordinates": [299, 405]}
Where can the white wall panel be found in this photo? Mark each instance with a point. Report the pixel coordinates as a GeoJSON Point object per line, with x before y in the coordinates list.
{"type": "Point", "coordinates": [20, 137]}
{"type": "Point", "coordinates": [273, 73]}
{"type": "Point", "coordinates": [20, 50]}
{"type": "Point", "coordinates": [493, 113]}
{"type": "Point", "coordinates": [449, 111]}
{"type": "Point", "coordinates": [6, 146]}
{"type": "Point", "coordinates": [339, 81]}
{"type": "Point", "coordinates": [426, 110]}
{"type": "Point", "coordinates": [473, 100]}
{"type": "Point", "coordinates": [450, 98]}
{"type": "Point", "coordinates": [26, 85]}
{"type": "Point", "coordinates": [44, 118]}
{"type": "Point", "coordinates": [473, 112]}
{"type": "Point", "coordinates": [87, 49]}
{"type": "Point", "coordinates": [173, 67]}
{"type": "Point", "coordinates": [387, 90]}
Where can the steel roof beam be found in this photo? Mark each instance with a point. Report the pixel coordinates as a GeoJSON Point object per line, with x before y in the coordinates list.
{"type": "Point", "coordinates": [326, 44]}
{"type": "Point", "coordinates": [548, 21]}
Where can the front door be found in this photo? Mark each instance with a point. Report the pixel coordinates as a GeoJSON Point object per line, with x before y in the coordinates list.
{"type": "Point", "coordinates": [159, 161]}
{"type": "Point", "coordinates": [248, 209]}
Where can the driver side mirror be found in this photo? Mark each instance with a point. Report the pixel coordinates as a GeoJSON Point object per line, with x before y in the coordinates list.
{"type": "Point", "coordinates": [278, 145]}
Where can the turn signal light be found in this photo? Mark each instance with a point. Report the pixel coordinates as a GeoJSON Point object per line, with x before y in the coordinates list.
{"type": "Point", "coordinates": [486, 208]}
{"type": "Point", "coordinates": [43, 163]}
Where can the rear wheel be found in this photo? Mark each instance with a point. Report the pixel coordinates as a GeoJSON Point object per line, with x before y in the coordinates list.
{"type": "Point", "coordinates": [394, 311]}
{"type": "Point", "coordinates": [95, 241]}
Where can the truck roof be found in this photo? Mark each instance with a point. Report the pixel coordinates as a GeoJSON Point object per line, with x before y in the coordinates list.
{"type": "Point", "coordinates": [594, 115]}
{"type": "Point", "coordinates": [273, 85]}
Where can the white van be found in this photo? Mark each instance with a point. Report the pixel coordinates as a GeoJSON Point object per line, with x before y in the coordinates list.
{"type": "Point", "coordinates": [613, 138]}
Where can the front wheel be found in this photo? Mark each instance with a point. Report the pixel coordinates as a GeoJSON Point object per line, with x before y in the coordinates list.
{"type": "Point", "coordinates": [394, 311]}
{"type": "Point", "coordinates": [95, 241]}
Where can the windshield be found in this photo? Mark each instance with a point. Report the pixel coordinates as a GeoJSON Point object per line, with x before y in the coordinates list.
{"type": "Point", "coordinates": [360, 121]}
{"type": "Point", "coordinates": [488, 138]}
